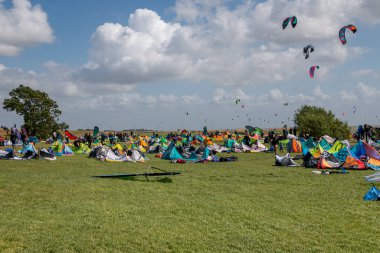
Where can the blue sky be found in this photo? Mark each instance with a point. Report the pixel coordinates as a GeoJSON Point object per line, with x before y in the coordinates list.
{"type": "Point", "coordinates": [144, 64]}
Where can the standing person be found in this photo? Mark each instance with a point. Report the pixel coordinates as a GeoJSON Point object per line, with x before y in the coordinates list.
{"type": "Point", "coordinates": [367, 132]}
{"type": "Point", "coordinates": [275, 143]}
{"type": "Point", "coordinates": [89, 140]}
{"type": "Point", "coordinates": [13, 138]}
{"type": "Point", "coordinates": [361, 132]}
{"type": "Point", "coordinates": [295, 130]}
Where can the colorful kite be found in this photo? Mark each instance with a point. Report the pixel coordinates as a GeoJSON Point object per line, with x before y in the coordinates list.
{"type": "Point", "coordinates": [292, 20]}
{"type": "Point", "coordinates": [312, 69]}
{"type": "Point", "coordinates": [342, 32]}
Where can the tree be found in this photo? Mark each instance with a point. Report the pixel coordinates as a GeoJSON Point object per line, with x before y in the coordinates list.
{"type": "Point", "coordinates": [40, 112]}
{"type": "Point", "coordinates": [63, 126]}
{"type": "Point", "coordinates": [317, 121]}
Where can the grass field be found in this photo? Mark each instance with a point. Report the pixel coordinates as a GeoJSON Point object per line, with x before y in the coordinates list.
{"type": "Point", "coordinates": [243, 206]}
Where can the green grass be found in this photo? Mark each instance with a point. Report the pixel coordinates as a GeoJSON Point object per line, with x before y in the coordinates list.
{"type": "Point", "coordinates": [243, 206]}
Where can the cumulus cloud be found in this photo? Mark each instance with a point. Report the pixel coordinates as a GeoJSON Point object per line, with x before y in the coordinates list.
{"type": "Point", "coordinates": [276, 95]}
{"type": "Point", "coordinates": [228, 44]}
{"type": "Point", "coordinates": [365, 73]}
{"type": "Point", "coordinates": [134, 53]}
{"type": "Point", "coordinates": [347, 96]}
{"type": "Point", "coordinates": [369, 11]}
{"type": "Point", "coordinates": [221, 96]}
{"type": "Point", "coordinates": [368, 91]}
{"type": "Point", "coordinates": [319, 93]}
{"type": "Point", "coordinates": [22, 26]}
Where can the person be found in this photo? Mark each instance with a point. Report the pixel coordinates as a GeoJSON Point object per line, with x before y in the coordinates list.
{"type": "Point", "coordinates": [13, 138]}
{"type": "Point", "coordinates": [284, 130]}
{"type": "Point", "coordinates": [281, 147]}
{"type": "Point", "coordinates": [367, 132]}
{"type": "Point", "coordinates": [89, 140]}
{"type": "Point", "coordinates": [246, 139]}
{"type": "Point", "coordinates": [360, 132]}
{"type": "Point", "coordinates": [275, 143]}
{"type": "Point", "coordinates": [77, 143]}
{"type": "Point", "coordinates": [295, 130]}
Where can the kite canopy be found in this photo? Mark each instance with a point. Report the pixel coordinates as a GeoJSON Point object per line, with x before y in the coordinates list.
{"type": "Point", "coordinates": [372, 194]}
{"type": "Point", "coordinates": [342, 32]}
{"type": "Point", "coordinates": [307, 50]}
{"type": "Point", "coordinates": [292, 20]}
{"type": "Point", "coordinates": [312, 69]}
{"type": "Point", "coordinates": [254, 130]}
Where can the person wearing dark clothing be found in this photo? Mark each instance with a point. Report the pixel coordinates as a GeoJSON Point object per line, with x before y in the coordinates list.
{"type": "Point", "coordinates": [247, 140]}
{"type": "Point", "coordinates": [13, 138]}
{"type": "Point", "coordinates": [89, 140]}
{"type": "Point", "coordinates": [274, 143]}
{"type": "Point", "coordinates": [295, 130]}
{"type": "Point", "coordinates": [367, 132]}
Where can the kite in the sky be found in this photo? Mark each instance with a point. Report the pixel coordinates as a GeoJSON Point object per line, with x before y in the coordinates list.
{"type": "Point", "coordinates": [312, 69]}
{"type": "Point", "coordinates": [292, 20]}
{"type": "Point", "coordinates": [237, 101]}
{"type": "Point", "coordinates": [307, 50]}
{"type": "Point", "coordinates": [286, 104]}
{"type": "Point", "coordinates": [342, 32]}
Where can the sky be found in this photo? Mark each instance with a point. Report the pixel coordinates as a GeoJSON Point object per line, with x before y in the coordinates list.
{"type": "Point", "coordinates": [174, 64]}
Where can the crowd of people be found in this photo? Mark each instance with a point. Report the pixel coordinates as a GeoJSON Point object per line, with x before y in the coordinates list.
{"type": "Point", "coordinates": [20, 136]}
{"type": "Point", "coordinates": [366, 132]}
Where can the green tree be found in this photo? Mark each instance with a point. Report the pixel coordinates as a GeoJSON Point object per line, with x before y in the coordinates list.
{"type": "Point", "coordinates": [40, 112]}
{"type": "Point", "coordinates": [317, 121]}
{"type": "Point", "coordinates": [63, 126]}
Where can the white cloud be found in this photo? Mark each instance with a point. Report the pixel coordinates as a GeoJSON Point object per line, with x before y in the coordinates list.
{"type": "Point", "coordinates": [276, 96]}
{"type": "Point", "coordinates": [22, 26]}
{"type": "Point", "coordinates": [369, 11]}
{"type": "Point", "coordinates": [368, 91]}
{"type": "Point", "coordinates": [221, 96]}
{"type": "Point", "coordinates": [362, 72]}
{"type": "Point", "coordinates": [241, 44]}
{"type": "Point", "coordinates": [134, 53]}
{"type": "Point", "coordinates": [319, 93]}
{"type": "Point", "coordinates": [347, 96]}
{"type": "Point", "coordinates": [365, 73]}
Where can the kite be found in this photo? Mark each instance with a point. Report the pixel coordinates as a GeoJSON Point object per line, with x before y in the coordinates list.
{"type": "Point", "coordinates": [307, 50]}
{"type": "Point", "coordinates": [186, 113]}
{"type": "Point", "coordinates": [292, 20]}
{"type": "Point", "coordinates": [342, 32]}
{"type": "Point", "coordinates": [237, 101]}
{"type": "Point", "coordinates": [312, 69]}
{"type": "Point", "coordinates": [70, 135]}
{"type": "Point", "coordinates": [286, 104]}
